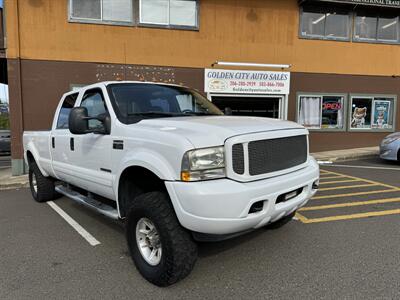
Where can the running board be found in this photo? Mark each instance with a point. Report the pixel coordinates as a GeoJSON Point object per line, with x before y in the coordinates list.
{"type": "Point", "coordinates": [91, 203]}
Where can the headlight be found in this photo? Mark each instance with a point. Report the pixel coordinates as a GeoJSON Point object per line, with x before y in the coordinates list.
{"type": "Point", "coordinates": [388, 141]}
{"type": "Point", "coordinates": [203, 164]}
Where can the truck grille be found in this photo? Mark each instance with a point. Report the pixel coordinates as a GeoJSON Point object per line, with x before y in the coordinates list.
{"type": "Point", "coordinates": [267, 156]}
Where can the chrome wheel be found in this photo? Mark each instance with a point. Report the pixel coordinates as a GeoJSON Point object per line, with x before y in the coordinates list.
{"type": "Point", "coordinates": [148, 241]}
{"type": "Point", "coordinates": [34, 182]}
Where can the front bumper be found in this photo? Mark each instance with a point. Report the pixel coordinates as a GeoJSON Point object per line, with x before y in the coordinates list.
{"type": "Point", "coordinates": [388, 152]}
{"type": "Point", "coordinates": [222, 206]}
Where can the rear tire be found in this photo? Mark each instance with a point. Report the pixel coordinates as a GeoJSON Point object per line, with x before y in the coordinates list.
{"type": "Point", "coordinates": [174, 245]}
{"type": "Point", "coordinates": [42, 188]}
{"type": "Point", "coordinates": [281, 222]}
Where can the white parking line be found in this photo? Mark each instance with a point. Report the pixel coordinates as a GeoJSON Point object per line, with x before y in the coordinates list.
{"type": "Point", "coordinates": [82, 231]}
{"type": "Point", "coordinates": [363, 167]}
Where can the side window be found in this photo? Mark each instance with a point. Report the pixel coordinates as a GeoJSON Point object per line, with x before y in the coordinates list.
{"type": "Point", "coordinates": [63, 116]}
{"type": "Point", "coordinates": [94, 102]}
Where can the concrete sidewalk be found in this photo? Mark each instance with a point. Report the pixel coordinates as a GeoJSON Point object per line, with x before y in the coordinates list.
{"type": "Point", "coordinates": [14, 182]}
{"type": "Point", "coordinates": [8, 182]}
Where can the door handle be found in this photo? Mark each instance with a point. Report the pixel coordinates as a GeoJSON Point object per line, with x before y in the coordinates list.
{"type": "Point", "coordinates": [72, 144]}
{"type": "Point", "coordinates": [53, 142]}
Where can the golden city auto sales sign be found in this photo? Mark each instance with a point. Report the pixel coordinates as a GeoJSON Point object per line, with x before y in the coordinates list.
{"type": "Point", "coordinates": [246, 82]}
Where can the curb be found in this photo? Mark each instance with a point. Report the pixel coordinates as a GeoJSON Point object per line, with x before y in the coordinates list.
{"type": "Point", "coordinates": [11, 183]}
{"type": "Point", "coordinates": [345, 157]}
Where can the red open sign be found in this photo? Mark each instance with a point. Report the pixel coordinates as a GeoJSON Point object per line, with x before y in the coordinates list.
{"type": "Point", "coordinates": [332, 106]}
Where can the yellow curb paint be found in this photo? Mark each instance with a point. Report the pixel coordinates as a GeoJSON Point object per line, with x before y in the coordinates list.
{"type": "Point", "coordinates": [350, 204]}
{"type": "Point", "coordinates": [354, 194]}
{"type": "Point", "coordinates": [353, 216]}
{"type": "Point", "coordinates": [347, 187]}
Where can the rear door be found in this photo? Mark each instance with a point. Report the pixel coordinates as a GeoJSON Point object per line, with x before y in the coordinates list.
{"type": "Point", "coordinates": [93, 150]}
{"type": "Point", "coordinates": [60, 137]}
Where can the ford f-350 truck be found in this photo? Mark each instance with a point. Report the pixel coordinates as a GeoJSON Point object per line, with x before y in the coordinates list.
{"type": "Point", "coordinates": [173, 166]}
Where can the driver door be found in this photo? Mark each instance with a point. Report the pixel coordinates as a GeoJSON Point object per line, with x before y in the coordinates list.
{"type": "Point", "coordinates": [93, 150]}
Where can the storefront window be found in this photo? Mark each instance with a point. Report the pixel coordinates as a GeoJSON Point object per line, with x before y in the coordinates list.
{"type": "Point", "coordinates": [169, 12]}
{"type": "Point", "coordinates": [321, 112]}
{"type": "Point", "coordinates": [325, 23]}
{"type": "Point", "coordinates": [372, 113]}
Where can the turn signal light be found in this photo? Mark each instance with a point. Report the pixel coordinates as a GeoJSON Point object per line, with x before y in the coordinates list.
{"type": "Point", "coordinates": [185, 176]}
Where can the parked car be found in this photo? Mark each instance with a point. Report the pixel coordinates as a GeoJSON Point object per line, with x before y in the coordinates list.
{"type": "Point", "coordinates": [5, 142]}
{"type": "Point", "coordinates": [169, 162]}
{"type": "Point", "coordinates": [389, 148]}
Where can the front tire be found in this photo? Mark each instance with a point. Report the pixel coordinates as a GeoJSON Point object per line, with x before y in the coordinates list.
{"type": "Point", "coordinates": [42, 188]}
{"type": "Point", "coordinates": [163, 251]}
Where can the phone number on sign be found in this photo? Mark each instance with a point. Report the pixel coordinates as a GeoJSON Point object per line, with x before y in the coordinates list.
{"type": "Point", "coordinates": [253, 84]}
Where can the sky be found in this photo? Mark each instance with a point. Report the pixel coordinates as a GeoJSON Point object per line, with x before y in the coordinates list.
{"type": "Point", "coordinates": [3, 92]}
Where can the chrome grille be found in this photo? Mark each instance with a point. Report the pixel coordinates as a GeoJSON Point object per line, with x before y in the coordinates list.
{"type": "Point", "coordinates": [272, 155]}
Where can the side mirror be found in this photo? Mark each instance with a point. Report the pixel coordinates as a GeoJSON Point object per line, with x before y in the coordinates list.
{"type": "Point", "coordinates": [78, 120]}
{"type": "Point", "coordinates": [106, 121]}
{"type": "Point", "coordinates": [228, 111]}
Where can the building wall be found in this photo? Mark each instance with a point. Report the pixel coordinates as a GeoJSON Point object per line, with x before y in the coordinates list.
{"type": "Point", "coordinates": [46, 54]}
{"type": "Point", "coordinates": [230, 30]}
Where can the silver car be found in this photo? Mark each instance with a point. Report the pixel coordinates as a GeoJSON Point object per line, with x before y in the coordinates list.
{"type": "Point", "coordinates": [5, 142]}
{"type": "Point", "coordinates": [390, 146]}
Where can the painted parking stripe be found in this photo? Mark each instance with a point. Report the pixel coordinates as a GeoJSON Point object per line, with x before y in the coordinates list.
{"type": "Point", "coordinates": [348, 217]}
{"type": "Point", "coordinates": [350, 204]}
{"type": "Point", "coordinates": [364, 167]}
{"type": "Point", "coordinates": [367, 180]}
{"type": "Point", "coordinates": [354, 194]}
{"type": "Point", "coordinates": [82, 231]}
{"type": "Point", "coordinates": [347, 187]}
{"type": "Point", "coordinates": [339, 181]}
{"type": "Point", "coordinates": [332, 177]}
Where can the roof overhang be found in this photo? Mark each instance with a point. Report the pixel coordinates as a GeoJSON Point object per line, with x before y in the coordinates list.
{"type": "Point", "coordinates": [380, 3]}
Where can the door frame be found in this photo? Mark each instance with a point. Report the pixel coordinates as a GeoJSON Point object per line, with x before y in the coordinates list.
{"type": "Point", "coordinates": [283, 100]}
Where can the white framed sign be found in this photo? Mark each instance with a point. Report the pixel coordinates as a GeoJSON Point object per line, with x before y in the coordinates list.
{"type": "Point", "coordinates": [246, 82]}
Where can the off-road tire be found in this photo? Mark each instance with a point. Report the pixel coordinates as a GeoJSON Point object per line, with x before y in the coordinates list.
{"type": "Point", "coordinates": [281, 222]}
{"type": "Point", "coordinates": [45, 185]}
{"type": "Point", "coordinates": [179, 251]}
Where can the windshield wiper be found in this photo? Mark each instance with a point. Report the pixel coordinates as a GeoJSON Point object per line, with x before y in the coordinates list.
{"type": "Point", "coordinates": [155, 113]}
{"type": "Point", "coordinates": [193, 113]}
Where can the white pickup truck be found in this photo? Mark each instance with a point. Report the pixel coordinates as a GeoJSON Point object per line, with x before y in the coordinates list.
{"type": "Point", "coordinates": [171, 164]}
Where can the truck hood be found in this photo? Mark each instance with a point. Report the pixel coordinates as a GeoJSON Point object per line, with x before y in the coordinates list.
{"type": "Point", "coordinates": [208, 131]}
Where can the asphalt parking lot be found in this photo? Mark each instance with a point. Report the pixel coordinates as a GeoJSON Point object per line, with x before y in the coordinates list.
{"type": "Point", "coordinates": [345, 244]}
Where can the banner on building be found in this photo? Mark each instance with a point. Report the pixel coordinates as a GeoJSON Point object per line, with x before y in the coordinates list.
{"type": "Point", "coordinates": [382, 3]}
{"type": "Point", "coordinates": [246, 82]}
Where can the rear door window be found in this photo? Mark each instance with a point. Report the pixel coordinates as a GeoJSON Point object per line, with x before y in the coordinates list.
{"type": "Point", "coordinates": [63, 116]}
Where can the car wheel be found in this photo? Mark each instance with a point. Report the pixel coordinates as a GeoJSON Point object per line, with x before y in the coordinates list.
{"type": "Point", "coordinates": [42, 188]}
{"type": "Point", "coordinates": [162, 250]}
{"type": "Point", "coordinates": [281, 222]}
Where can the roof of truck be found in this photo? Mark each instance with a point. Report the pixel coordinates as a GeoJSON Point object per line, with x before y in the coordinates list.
{"type": "Point", "coordinates": [106, 83]}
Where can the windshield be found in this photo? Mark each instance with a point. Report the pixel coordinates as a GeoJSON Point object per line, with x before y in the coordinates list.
{"type": "Point", "coordinates": [135, 101]}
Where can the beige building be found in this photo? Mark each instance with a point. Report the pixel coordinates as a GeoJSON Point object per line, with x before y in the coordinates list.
{"type": "Point", "coordinates": [332, 66]}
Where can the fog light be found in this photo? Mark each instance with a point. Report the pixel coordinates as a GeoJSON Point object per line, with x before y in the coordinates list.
{"type": "Point", "coordinates": [315, 185]}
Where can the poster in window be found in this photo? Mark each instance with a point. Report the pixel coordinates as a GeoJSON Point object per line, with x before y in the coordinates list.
{"type": "Point", "coordinates": [361, 113]}
{"type": "Point", "coordinates": [381, 114]}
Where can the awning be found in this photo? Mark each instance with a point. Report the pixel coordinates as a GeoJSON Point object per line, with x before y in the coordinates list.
{"type": "Point", "coordinates": [380, 3]}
